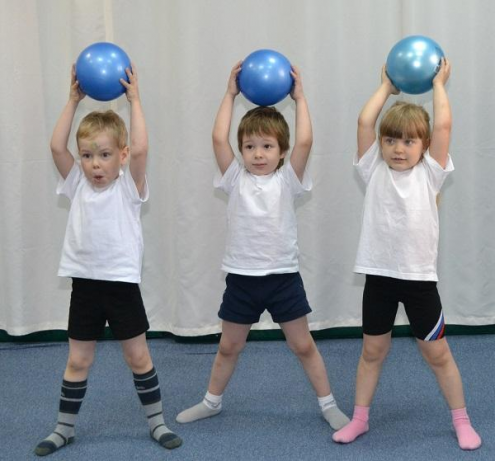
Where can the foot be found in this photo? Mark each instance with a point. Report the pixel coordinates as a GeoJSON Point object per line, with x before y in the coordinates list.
{"type": "Point", "coordinates": [335, 417]}
{"type": "Point", "coordinates": [467, 437]}
{"type": "Point", "coordinates": [351, 432]}
{"type": "Point", "coordinates": [199, 411]}
{"type": "Point", "coordinates": [168, 440]}
{"type": "Point", "coordinates": [52, 443]}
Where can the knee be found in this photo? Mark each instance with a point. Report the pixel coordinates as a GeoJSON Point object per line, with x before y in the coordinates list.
{"type": "Point", "coordinates": [230, 348]}
{"type": "Point", "coordinates": [438, 358]}
{"type": "Point", "coordinates": [78, 363]}
{"type": "Point", "coordinates": [303, 349]}
{"type": "Point", "coordinates": [373, 353]}
{"type": "Point", "coordinates": [138, 359]}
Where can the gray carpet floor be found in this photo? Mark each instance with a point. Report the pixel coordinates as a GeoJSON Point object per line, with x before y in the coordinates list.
{"type": "Point", "coordinates": [270, 411]}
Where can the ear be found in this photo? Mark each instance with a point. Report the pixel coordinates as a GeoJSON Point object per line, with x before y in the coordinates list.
{"type": "Point", "coordinates": [283, 154]}
{"type": "Point", "coordinates": [124, 155]}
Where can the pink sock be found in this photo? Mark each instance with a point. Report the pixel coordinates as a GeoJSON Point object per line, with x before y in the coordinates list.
{"type": "Point", "coordinates": [358, 426]}
{"type": "Point", "coordinates": [466, 436]}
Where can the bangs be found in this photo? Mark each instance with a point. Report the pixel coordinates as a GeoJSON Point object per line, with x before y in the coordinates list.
{"type": "Point", "coordinates": [406, 121]}
{"type": "Point", "coordinates": [264, 121]}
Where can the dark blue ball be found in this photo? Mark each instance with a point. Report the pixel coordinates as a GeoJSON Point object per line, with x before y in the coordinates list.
{"type": "Point", "coordinates": [265, 77]}
{"type": "Point", "coordinates": [413, 63]}
{"type": "Point", "coordinates": [99, 68]}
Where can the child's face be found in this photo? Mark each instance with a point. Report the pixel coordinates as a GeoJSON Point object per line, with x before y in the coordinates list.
{"type": "Point", "coordinates": [402, 154]}
{"type": "Point", "coordinates": [261, 154]}
{"type": "Point", "coordinates": [101, 158]}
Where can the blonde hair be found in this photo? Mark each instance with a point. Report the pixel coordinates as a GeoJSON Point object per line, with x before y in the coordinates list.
{"type": "Point", "coordinates": [96, 122]}
{"type": "Point", "coordinates": [405, 120]}
{"type": "Point", "coordinates": [265, 121]}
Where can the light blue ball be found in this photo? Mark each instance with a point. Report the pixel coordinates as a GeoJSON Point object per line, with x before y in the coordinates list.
{"type": "Point", "coordinates": [99, 69]}
{"type": "Point", "coordinates": [265, 77]}
{"type": "Point", "coordinates": [413, 63]}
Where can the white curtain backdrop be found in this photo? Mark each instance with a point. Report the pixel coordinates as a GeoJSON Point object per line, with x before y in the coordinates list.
{"type": "Point", "coordinates": [184, 50]}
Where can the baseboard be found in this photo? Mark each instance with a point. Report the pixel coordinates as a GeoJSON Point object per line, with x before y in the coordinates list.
{"type": "Point", "coordinates": [254, 335]}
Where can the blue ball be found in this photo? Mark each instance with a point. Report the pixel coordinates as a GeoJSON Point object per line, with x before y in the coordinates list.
{"type": "Point", "coordinates": [265, 77]}
{"type": "Point", "coordinates": [99, 68]}
{"type": "Point", "coordinates": [413, 63]}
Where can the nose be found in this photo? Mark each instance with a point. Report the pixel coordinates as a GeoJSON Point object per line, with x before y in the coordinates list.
{"type": "Point", "coordinates": [257, 153]}
{"type": "Point", "coordinates": [96, 164]}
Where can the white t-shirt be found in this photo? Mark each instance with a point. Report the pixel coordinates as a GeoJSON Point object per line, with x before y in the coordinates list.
{"type": "Point", "coordinates": [261, 220]}
{"type": "Point", "coordinates": [104, 239]}
{"type": "Point", "coordinates": [400, 229]}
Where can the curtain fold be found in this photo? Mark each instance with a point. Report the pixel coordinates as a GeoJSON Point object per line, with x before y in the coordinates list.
{"type": "Point", "coordinates": [183, 51]}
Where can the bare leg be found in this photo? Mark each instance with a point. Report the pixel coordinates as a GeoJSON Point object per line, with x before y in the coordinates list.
{"type": "Point", "coordinates": [375, 350]}
{"type": "Point", "coordinates": [301, 342]}
{"type": "Point", "coordinates": [438, 356]}
{"type": "Point", "coordinates": [232, 343]}
{"type": "Point", "coordinates": [81, 356]}
{"type": "Point", "coordinates": [374, 353]}
{"type": "Point", "coordinates": [137, 354]}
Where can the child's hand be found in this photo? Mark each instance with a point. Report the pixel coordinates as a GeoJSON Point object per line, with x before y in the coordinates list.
{"type": "Point", "coordinates": [443, 73]}
{"type": "Point", "coordinates": [233, 87]}
{"type": "Point", "coordinates": [76, 93]}
{"type": "Point", "coordinates": [131, 86]}
{"type": "Point", "coordinates": [297, 89]}
{"type": "Point", "coordinates": [387, 82]}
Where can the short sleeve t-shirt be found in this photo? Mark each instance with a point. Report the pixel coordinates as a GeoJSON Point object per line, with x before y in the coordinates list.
{"type": "Point", "coordinates": [261, 220]}
{"type": "Point", "coordinates": [400, 228]}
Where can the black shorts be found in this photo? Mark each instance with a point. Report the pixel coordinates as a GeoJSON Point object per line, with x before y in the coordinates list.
{"type": "Point", "coordinates": [94, 302]}
{"type": "Point", "coordinates": [421, 301]}
{"type": "Point", "coordinates": [246, 298]}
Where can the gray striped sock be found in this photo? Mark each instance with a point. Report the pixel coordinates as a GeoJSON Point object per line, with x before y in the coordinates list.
{"type": "Point", "coordinates": [148, 390]}
{"type": "Point", "coordinates": [71, 399]}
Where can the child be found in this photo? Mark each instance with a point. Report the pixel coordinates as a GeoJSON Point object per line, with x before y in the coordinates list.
{"type": "Point", "coordinates": [261, 257]}
{"type": "Point", "coordinates": [102, 253]}
{"type": "Point", "coordinates": [397, 251]}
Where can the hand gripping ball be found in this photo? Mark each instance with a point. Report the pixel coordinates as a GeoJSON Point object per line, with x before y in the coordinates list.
{"type": "Point", "coordinates": [99, 68]}
{"type": "Point", "coordinates": [413, 63]}
{"type": "Point", "coordinates": [265, 77]}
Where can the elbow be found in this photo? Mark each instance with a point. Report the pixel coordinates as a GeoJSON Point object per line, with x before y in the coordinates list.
{"type": "Point", "coordinates": [363, 123]}
{"type": "Point", "coordinates": [306, 144]}
{"type": "Point", "coordinates": [57, 151]}
{"type": "Point", "coordinates": [218, 142]}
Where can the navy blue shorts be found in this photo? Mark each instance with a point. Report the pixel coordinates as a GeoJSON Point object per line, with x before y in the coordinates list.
{"type": "Point", "coordinates": [246, 298]}
{"type": "Point", "coordinates": [421, 301]}
{"type": "Point", "coordinates": [94, 302]}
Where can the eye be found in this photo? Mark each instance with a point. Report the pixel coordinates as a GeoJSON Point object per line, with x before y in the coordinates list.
{"type": "Point", "coordinates": [85, 156]}
{"type": "Point", "coordinates": [390, 141]}
{"type": "Point", "coordinates": [106, 154]}
{"type": "Point", "coordinates": [268, 146]}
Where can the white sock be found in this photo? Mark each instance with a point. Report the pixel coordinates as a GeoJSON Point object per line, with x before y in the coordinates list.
{"type": "Point", "coordinates": [213, 402]}
{"type": "Point", "coordinates": [326, 402]}
{"type": "Point", "coordinates": [211, 405]}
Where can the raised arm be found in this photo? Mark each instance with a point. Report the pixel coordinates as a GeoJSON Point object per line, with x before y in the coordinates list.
{"type": "Point", "coordinates": [138, 133]}
{"type": "Point", "coordinates": [221, 129]}
{"type": "Point", "coordinates": [366, 134]}
{"type": "Point", "coordinates": [304, 131]}
{"type": "Point", "coordinates": [442, 116]}
{"type": "Point", "coordinates": [60, 138]}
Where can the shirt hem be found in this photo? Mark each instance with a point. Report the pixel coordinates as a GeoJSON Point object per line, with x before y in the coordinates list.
{"type": "Point", "coordinates": [260, 272]}
{"type": "Point", "coordinates": [396, 275]}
